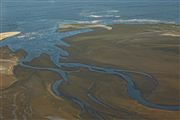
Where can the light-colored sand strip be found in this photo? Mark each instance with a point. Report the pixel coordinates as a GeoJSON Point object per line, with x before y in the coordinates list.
{"type": "Point", "coordinates": [2, 68]}
{"type": "Point", "coordinates": [6, 60]}
{"type": "Point", "coordinates": [5, 35]}
{"type": "Point", "coordinates": [82, 26]}
{"type": "Point", "coordinates": [171, 34]}
{"type": "Point", "coordinates": [103, 26]}
{"type": "Point", "coordinates": [51, 92]}
{"type": "Point", "coordinates": [7, 66]}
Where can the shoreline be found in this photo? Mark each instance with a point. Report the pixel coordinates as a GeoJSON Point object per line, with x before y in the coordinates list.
{"type": "Point", "coordinates": [95, 26]}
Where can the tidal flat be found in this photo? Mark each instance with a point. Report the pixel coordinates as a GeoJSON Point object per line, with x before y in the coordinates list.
{"type": "Point", "coordinates": [147, 53]}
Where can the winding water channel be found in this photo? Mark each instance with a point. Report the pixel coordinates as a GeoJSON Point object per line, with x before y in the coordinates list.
{"type": "Point", "coordinates": [48, 44]}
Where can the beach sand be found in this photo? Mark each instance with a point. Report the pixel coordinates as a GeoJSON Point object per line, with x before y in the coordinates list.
{"type": "Point", "coordinates": [5, 35]}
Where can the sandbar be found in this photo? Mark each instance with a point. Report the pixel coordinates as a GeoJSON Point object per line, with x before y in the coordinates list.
{"type": "Point", "coordinates": [5, 35]}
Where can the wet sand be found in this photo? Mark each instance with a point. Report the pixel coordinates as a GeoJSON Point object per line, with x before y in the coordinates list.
{"type": "Point", "coordinates": [130, 47]}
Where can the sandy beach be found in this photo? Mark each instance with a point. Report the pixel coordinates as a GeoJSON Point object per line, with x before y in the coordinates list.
{"type": "Point", "coordinates": [5, 35]}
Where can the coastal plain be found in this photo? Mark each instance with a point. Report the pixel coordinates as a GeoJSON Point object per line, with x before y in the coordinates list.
{"type": "Point", "coordinates": [148, 48]}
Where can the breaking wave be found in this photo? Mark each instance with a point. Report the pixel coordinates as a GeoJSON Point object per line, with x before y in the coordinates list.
{"type": "Point", "coordinates": [145, 21]}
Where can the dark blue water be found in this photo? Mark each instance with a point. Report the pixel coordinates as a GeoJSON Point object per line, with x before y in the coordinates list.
{"type": "Point", "coordinates": [39, 20]}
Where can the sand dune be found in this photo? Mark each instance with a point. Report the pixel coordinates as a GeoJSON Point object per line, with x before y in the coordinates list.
{"type": "Point", "coordinates": [5, 35]}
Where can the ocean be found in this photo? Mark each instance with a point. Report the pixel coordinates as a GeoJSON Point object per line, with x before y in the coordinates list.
{"type": "Point", "coordinates": [34, 15]}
